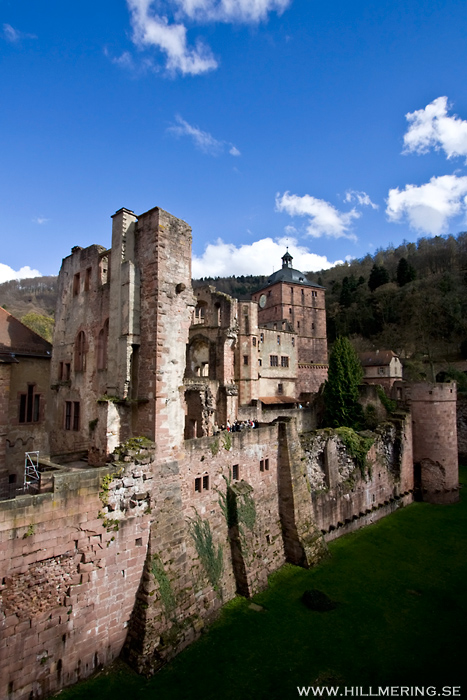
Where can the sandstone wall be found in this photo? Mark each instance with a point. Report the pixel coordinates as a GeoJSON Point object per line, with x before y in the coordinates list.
{"type": "Point", "coordinates": [143, 553]}
{"type": "Point", "coordinates": [68, 582]}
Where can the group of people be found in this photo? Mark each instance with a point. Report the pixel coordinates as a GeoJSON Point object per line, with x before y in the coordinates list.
{"type": "Point", "coordinates": [236, 426]}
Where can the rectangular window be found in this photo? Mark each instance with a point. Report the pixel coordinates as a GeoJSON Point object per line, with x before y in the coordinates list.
{"type": "Point", "coordinates": [260, 362]}
{"type": "Point", "coordinates": [68, 412]}
{"type": "Point", "coordinates": [266, 465]}
{"type": "Point", "coordinates": [104, 270]}
{"type": "Point", "coordinates": [72, 415]}
{"type": "Point", "coordinates": [245, 359]}
{"type": "Point", "coordinates": [312, 326]}
{"type": "Point", "coordinates": [381, 370]}
{"type": "Point", "coordinates": [67, 370]}
{"type": "Point", "coordinates": [261, 465]}
{"type": "Point", "coordinates": [278, 340]}
{"type": "Point", "coordinates": [280, 388]}
{"type": "Point", "coordinates": [60, 371]}
{"type": "Point", "coordinates": [284, 361]}
{"type": "Point", "coordinates": [273, 361]}
{"type": "Point", "coordinates": [254, 342]}
{"type": "Point", "coordinates": [87, 279]}
{"type": "Point", "coordinates": [298, 324]}
{"type": "Point", "coordinates": [29, 406]}
{"type": "Point", "coordinates": [198, 484]}
{"type": "Point", "coordinates": [261, 337]}
{"type": "Point", "coordinates": [36, 408]}
{"type": "Point", "coordinates": [205, 482]}
{"type": "Point", "coordinates": [293, 342]}
{"type": "Point", "coordinates": [75, 415]}
{"type": "Point", "coordinates": [76, 285]}
{"type": "Point", "coordinates": [235, 472]}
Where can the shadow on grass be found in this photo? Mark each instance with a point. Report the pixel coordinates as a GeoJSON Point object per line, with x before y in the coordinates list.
{"type": "Point", "coordinates": [400, 620]}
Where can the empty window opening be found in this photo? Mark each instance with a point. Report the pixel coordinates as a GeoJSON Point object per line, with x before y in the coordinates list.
{"type": "Point", "coordinates": [245, 359]}
{"type": "Point", "coordinates": [139, 542]}
{"type": "Point", "coordinates": [254, 342]}
{"type": "Point", "coordinates": [80, 352]}
{"type": "Point", "coordinates": [104, 269]}
{"type": "Point", "coordinates": [266, 464]}
{"type": "Point", "coordinates": [280, 388]}
{"type": "Point", "coordinates": [76, 285]}
{"type": "Point", "coordinates": [102, 343]}
{"type": "Point", "coordinates": [87, 279]}
{"type": "Point", "coordinates": [261, 465]}
{"type": "Point", "coordinates": [235, 472]}
{"type": "Point", "coordinates": [198, 484]}
{"type": "Point", "coordinates": [205, 482]}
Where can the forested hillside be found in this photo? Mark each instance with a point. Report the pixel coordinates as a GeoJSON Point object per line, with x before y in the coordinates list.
{"type": "Point", "coordinates": [411, 299]}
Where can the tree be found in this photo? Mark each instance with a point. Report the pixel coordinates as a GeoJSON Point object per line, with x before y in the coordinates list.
{"type": "Point", "coordinates": [405, 272]}
{"type": "Point", "coordinates": [42, 325]}
{"type": "Point", "coordinates": [378, 276]}
{"type": "Point", "coordinates": [341, 394]}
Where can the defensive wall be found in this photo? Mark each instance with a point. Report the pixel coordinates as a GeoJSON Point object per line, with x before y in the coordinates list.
{"type": "Point", "coordinates": [140, 555]}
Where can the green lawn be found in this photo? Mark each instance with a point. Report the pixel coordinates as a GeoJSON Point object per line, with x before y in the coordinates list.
{"type": "Point", "coordinates": [401, 620]}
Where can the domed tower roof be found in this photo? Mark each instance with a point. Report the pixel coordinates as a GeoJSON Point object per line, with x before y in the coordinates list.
{"type": "Point", "coordinates": [288, 274]}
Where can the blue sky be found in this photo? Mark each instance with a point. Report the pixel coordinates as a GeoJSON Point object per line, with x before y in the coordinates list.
{"type": "Point", "coordinates": [335, 127]}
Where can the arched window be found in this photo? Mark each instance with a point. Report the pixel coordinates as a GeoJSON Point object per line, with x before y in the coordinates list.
{"type": "Point", "coordinates": [102, 343]}
{"type": "Point", "coordinates": [80, 352]}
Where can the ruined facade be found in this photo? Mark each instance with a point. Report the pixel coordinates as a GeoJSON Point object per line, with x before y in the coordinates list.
{"type": "Point", "coordinates": [24, 390]}
{"type": "Point", "coordinates": [137, 550]}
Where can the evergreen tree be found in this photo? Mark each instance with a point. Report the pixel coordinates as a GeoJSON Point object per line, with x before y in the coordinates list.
{"type": "Point", "coordinates": [341, 389]}
{"type": "Point", "coordinates": [378, 276]}
{"type": "Point", "coordinates": [405, 272]}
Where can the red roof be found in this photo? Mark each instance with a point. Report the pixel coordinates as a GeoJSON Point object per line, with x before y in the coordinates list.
{"type": "Point", "coordinates": [377, 358]}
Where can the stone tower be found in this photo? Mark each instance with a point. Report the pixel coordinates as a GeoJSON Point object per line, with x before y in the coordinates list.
{"type": "Point", "coordinates": [433, 408]}
{"type": "Point", "coordinates": [289, 299]}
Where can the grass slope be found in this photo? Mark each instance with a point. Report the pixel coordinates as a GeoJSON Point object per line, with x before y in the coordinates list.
{"type": "Point", "coordinates": [401, 620]}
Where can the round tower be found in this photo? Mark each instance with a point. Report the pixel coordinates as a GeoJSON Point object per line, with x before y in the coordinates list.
{"type": "Point", "coordinates": [433, 408]}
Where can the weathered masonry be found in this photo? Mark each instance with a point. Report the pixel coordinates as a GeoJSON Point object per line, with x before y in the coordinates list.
{"type": "Point", "coordinates": [148, 517]}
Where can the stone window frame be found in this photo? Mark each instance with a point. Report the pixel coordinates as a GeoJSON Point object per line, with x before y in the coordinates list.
{"type": "Point", "coordinates": [235, 472]}
{"type": "Point", "coordinates": [280, 389]}
{"type": "Point", "coordinates": [245, 360]}
{"type": "Point", "coordinates": [273, 360]}
{"type": "Point", "coordinates": [284, 360]}
{"type": "Point", "coordinates": [202, 483]}
{"type": "Point", "coordinates": [72, 416]}
{"type": "Point", "coordinates": [29, 406]}
{"type": "Point", "coordinates": [80, 352]}
{"type": "Point", "coordinates": [87, 279]}
{"type": "Point", "coordinates": [264, 465]}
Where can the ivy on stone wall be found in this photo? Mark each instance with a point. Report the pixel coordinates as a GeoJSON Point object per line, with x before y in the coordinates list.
{"type": "Point", "coordinates": [357, 446]}
{"type": "Point", "coordinates": [165, 587]}
{"type": "Point", "coordinates": [212, 559]}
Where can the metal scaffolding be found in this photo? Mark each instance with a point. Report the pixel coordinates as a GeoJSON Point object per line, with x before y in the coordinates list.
{"type": "Point", "coordinates": [31, 469]}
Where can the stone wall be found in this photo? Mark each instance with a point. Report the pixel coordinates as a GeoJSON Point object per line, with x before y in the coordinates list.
{"type": "Point", "coordinates": [69, 578]}
{"type": "Point", "coordinates": [142, 554]}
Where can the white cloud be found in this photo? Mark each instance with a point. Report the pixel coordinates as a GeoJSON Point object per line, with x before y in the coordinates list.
{"type": "Point", "coordinates": [361, 198]}
{"type": "Point", "coordinates": [202, 139]}
{"type": "Point", "coordinates": [259, 258]}
{"type": "Point", "coordinates": [13, 36]}
{"type": "Point", "coordinates": [429, 207]}
{"type": "Point", "coordinates": [40, 220]}
{"type": "Point", "coordinates": [433, 128]}
{"type": "Point", "coordinates": [249, 11]}
{"type": "Point", "coordinates": [151, 28]}
{"type": "Point", "coordinates": [323, 218]}
{"type": "Point", "coordinates": [7, 273]}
